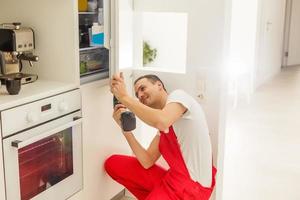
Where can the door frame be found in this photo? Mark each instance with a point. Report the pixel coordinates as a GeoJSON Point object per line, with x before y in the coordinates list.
{"type": "Point", "coordinates": [287, 30]}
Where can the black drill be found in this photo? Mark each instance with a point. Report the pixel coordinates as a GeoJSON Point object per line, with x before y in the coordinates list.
{"type": "Point", "coordinates": [128, 120]}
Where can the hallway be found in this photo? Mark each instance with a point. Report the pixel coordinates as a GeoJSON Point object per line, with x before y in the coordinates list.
{"type": "Point", "coordinates": [262, 156]}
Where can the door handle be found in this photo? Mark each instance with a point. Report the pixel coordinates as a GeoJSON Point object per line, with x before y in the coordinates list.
{"type": "Point", "coordinates": [107, 22]}
{"type": "Point", "coordinates": [15, 143]}
{"type": "Point", "coordinates": [19, 144]}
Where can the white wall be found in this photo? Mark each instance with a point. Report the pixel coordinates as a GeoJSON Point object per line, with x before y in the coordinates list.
{"type": "Point", "coordinates": [269, 39]}
{"type": "Point", "coordinates": [162, 5]}
{"type": "Point", "coordinates": [206, 46]}
{"type": "Point", "coordinates": [243, 30]}
{"type": "Point", "coordinates": [205, 27]}
{"type": "Point", "coordinates": [243, 42]}
{"type": "Point", "coordinates": [294, 39]}
{"type": "Point", "coordinates": [167, 33]}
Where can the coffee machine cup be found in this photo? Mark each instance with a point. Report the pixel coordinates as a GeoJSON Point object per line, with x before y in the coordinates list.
{"type": "Point", "coordinates": [13, 85]}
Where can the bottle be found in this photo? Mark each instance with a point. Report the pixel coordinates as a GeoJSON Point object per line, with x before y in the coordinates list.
{"type": "Point", "coordinates": [85, 33]}
{"type": "Point", "coordinates": [100, 16]}
{"type": "Point", "coordinates": [92, 5]}
{"type": "Point", "coordinates": [82, 5]}
{"type": "Point", "coordinates": [97, 35]}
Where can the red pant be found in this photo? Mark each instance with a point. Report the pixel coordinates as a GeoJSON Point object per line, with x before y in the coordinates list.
{"type": "Point", "coordinates": [129, 172]}
{"type": "Point", "coordinates": [157, 183]}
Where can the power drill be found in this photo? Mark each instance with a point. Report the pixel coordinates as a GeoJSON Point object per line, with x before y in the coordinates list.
{"type": "Point", "coordinates": [128, 120]}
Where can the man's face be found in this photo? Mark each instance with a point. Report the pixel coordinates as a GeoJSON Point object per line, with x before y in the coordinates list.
{"type": "Point", "coordinates": [147, 92]}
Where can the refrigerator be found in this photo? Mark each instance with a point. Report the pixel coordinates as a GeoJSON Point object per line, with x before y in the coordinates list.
{"type": "Point", "coordinates": [94, 39]}
{"type": "Point", "coordinates": [122, 46]}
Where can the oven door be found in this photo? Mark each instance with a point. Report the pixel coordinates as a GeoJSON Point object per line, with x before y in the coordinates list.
{"type": "Point", "coordinates": [45, 162]}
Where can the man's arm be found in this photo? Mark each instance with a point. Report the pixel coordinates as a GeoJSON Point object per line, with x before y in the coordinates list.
{"type": "Point", "coordinates": [147, 158]}
{"type": "Point", "coordinates": [160, 119]}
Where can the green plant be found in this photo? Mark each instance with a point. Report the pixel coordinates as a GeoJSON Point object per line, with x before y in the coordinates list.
{"type": "Point", "coordinates": [149, 54]}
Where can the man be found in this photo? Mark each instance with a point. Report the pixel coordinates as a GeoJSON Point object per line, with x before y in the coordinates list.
{"type": "Point", "coordinates": [182, 140]}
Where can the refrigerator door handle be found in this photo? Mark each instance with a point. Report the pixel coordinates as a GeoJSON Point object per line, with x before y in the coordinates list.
{"type": "Point", "coordinates": [106, 21]}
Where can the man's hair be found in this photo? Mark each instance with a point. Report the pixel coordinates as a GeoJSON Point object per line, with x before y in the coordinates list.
{"type": "Point", "coordinates": [152, 78]}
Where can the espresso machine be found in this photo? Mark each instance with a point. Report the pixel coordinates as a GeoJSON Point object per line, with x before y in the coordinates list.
{"type": "Point", "coordinates": [16, 46]}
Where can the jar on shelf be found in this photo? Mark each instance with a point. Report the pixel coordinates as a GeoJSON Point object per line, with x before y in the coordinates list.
{"type": "Point", "coordinates": [93, 59]}
{"type": "Point", "coordinates": [84, 33]}
{"type": "Point", "coordinates": [92, 5]}
{"type": "Point", "coordinates": [100, 16]}
{"type": "Point", "coordinates": [82, 5]}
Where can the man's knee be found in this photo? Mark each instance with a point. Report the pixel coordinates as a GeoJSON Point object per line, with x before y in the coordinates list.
{"type": "Point", "coordinates": [117, 165]}
{"type": "Point", "coordinates": [111, 164]}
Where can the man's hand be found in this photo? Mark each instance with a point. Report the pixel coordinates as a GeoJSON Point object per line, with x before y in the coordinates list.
{"type": "Point", "coordinates": [118, 87]}
{"type": "Point", "coordinates": [118, 110]}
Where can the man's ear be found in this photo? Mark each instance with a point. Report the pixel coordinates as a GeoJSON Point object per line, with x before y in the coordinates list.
{"type": "Point", "coordinates": [159, 85]}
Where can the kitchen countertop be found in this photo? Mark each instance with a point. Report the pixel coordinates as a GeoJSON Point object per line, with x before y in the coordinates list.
{"type": "Point", "coordinates": [32, 92]}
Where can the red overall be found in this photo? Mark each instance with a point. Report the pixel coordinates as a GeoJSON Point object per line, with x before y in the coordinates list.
{"type": "Point", "coordinates": [156, 183]}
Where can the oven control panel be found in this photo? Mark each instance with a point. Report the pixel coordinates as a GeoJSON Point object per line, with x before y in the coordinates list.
{"type": "Point", "coordinates": [32, 114]}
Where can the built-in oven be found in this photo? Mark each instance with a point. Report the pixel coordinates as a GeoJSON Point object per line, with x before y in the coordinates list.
{"type": "Point", "coordinates": [42, 148]}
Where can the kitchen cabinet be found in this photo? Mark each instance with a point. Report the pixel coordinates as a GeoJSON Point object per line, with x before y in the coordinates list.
{"type": "Point", "coordinates": [57, 44]}
{"type": "Point", "coordinates": [55, 25]}
{"type": "Point", "coordinates": [101, 138]}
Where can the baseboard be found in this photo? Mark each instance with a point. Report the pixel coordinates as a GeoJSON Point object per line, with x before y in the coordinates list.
{"type": "Point", "coordinates": [119, 196]}
{"type": "Point", "coordinates": [128, 194]}
{"type": "Point", "coordinates": [296, 65]}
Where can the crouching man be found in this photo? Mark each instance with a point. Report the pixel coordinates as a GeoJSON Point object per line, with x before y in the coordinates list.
{"type": "Point", "coordinates": [182, 139]}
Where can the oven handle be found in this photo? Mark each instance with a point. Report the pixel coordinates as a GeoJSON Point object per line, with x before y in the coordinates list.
{"type": "Point", "coordinates": [20, 144]}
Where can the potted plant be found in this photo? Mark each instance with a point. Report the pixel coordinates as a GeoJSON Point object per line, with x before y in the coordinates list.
{"type": "Point", "coordinates": [149, 54]}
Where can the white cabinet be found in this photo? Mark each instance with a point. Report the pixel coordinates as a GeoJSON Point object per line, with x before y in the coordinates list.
{"type": "Point", "coordinates": [101, 138]}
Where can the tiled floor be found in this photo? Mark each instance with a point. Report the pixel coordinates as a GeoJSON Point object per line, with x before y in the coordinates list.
{"type": "Point", "coordinates": [262, 157]}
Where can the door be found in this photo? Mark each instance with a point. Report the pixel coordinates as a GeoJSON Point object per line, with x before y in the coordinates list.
{"type": "Point", "coordinates": [294, 36]}
{"type": "Point", "coordinates": [287, 27]}
{"type": "Point", "coordinates": [270, 39]}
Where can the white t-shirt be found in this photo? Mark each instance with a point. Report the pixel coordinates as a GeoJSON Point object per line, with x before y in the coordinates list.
{"type": "Point", "coordinates": [193, 137]}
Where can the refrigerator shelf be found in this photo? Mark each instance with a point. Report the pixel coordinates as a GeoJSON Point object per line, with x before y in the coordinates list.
{"type": "Point", "coordinates": [90, 48]}
{"type": "Point", "coordinates": [88, 13]}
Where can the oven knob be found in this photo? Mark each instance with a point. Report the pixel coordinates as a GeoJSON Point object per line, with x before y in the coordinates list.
{"type": "Point", "coordinates": [63, 107]}
{"type": "Point", "coordinates": [32, 117]}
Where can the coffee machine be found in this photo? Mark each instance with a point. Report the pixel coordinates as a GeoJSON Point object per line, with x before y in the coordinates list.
{"type": "Point", "coordinates": [16, 45]}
